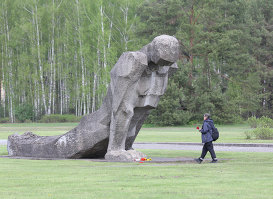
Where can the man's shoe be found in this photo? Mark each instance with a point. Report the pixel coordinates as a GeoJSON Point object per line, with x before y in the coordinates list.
{"type": "Point", "coordinates": [214, 161]}
{"type": "Point", "coordinates": [198, 160]}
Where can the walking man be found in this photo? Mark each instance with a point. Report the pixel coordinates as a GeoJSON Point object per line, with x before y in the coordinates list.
{"type": "Point", "coordinates": [207, 139]}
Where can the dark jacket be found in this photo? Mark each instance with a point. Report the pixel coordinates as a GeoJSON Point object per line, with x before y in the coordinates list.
{"type": "Point", "coordinates": [207, 131]}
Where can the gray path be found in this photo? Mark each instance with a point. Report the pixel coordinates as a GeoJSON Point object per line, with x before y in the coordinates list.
{"type": "Point", "coordinates": [3, 142]}
{"type": "Point", "coordinates": [198, 146]}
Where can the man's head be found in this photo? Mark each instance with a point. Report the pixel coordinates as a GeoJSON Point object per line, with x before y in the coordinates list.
{"type": "Point", "coordinates": [206, 116]}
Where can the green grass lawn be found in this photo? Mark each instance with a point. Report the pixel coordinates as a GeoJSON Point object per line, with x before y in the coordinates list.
{"type": "Point", "coordinates": [228, 133]}
{"type": "Point", "coordinates": [240, 175]}
{"type": "Point", "coordinates": [237, 175]}
{"type": "Point", "coordinates": [45, 129]}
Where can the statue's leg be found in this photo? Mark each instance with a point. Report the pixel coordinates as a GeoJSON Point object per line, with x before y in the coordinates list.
{"type": "Point", "coordinates": [140, 115]}
{"type": "Point", "coordinates": [119, 127]}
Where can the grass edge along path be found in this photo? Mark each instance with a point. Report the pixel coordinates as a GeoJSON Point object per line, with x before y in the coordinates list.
{"type": "Point", "coordinates": [242, 175]}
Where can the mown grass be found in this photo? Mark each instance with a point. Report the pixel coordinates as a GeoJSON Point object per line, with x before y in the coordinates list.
{"type": "Point", "coordinates": [228, 133]}
{"type": "Point", "coordinates": [45, 129]}
{"type": "Point", "coordinates": [240, 175]}
{"type": "Point", "coordinates": [237, 175]}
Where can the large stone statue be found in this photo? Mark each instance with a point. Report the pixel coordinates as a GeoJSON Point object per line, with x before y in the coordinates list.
{"type": "Point", "coordinates": [138, 80]}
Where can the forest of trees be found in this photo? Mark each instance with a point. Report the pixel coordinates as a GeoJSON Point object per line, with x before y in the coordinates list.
{"type": "Point", "coordinates": [56, 56]}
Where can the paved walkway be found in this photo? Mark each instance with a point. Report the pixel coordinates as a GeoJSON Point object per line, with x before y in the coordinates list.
{"type": "Point", "coordinates": [198, 146]}
{"type": "Point", "coordinates": [3, 142]}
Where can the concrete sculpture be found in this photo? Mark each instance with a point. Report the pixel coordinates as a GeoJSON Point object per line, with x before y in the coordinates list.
{"type": "Point", "coordinates": [138, 80]}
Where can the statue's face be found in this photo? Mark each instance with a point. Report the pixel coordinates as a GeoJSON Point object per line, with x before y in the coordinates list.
{"type": "Point", "coordinates": [162, 54]}
{"type": "Point", "coordinates": [152, 85]}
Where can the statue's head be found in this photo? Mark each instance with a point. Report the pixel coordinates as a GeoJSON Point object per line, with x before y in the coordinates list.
{"type": "Point", "coordinates": [162, 51]}
{"type": "Point", "coordinates": [162, 54]}
{"type": "Point", "coordinates": [144, 73]}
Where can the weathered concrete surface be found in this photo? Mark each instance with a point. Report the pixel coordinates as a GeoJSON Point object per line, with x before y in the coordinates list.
{"type": "Point", "coordinates": [138, 80]}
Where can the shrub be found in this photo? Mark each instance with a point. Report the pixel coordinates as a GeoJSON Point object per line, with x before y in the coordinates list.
{"type": "Point", "coordinates": [248, 135]}
{"type": "Point", "coordinates": [263, 122]}
{"type": "Point", "coordinates": [28, 121]}
{"type": "Point", "coordinates": [4, 120]}
{"type": "Point", "coordinates": [24, 112]}
{"type": "Point", "coordinates": [263, 128]}
{"type": "Point", "coordinates": [263, 133]}
{"type": "Point", "coordinates": [252, 121]}
{"type": "Point", "coordinates": [175, 118]}
{"type": "Point", "coordinates": [54, 118]}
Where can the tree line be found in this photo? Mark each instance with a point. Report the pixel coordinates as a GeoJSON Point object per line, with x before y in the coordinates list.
{"type": "Point", "coordinates": [226, 65]}
{"type": "Point", "coordinates": [56, 55]}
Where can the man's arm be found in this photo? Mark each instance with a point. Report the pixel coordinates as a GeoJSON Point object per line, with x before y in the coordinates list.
{"type": "Point", "coordinates": [205, 128]}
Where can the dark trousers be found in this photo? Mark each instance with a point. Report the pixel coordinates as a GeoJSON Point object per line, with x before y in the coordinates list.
{"type": "Point", "coordinates": [208, 147]}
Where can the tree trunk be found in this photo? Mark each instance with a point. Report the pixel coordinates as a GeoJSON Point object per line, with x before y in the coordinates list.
{"type": "Point", "coordinates": [3, 94]}
{"type": "Point", "coordinates": [39, 57]}
{"type": "Point", "coordinates": [103, 41]}
{"type": "Point", "coordinates": [10, 68]}
{"type": "Point", "coordinates": [94, 93]}
{"type": "Point", "coordinates": [81, 60]}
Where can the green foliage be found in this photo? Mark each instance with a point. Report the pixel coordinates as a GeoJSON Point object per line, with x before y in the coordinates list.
{"type": "Point", "coordinates": [24, 112]}
{"type": "Point", "coordinates": [5, 120]}
{"type": "Point", "coordinates": [56, 118]}
{"type": "Point", "coordinates": [263, 122]}
{"type": "Point", "coordinates": [218, 72]}
{"type": "Point", "coordinates": [263, 128]}
{"type": "Point", "coordinates": [57, 55]}
{"type": "Point", "coordinates": [248, 134]}
{"type": "Point", "coordinates": [253, 122]}
{"type": "Point", "coordinates": [262, 133]}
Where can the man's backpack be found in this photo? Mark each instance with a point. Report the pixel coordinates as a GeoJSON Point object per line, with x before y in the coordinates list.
{"type": "Point", "coordinates": [215, 133]}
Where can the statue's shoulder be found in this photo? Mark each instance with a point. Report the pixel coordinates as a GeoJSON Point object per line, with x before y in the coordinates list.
{"type": "Point", "coordinates": [130, 64]}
